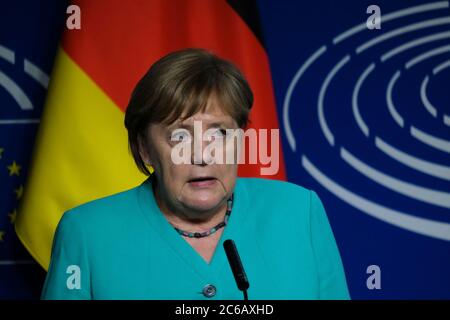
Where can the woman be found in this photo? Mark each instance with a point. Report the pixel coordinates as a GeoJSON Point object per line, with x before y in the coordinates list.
{"type": "Point", "coordinates": [164, 238]}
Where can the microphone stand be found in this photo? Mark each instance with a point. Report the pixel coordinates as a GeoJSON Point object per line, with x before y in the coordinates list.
{"type": "Point", "coordinates": [236, 267]}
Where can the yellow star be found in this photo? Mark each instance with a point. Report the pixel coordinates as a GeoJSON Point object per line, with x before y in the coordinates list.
{"type": "Point", "coordinates": [19, 192]}
{"type": "Point", "coordinates": [14, 168]}
{"type": "Point", "coordinates": [1, 152]}
{"type": "Point", "coordinates": [2, 234]}
{"type": "Point", "coordinates": [12, 216]}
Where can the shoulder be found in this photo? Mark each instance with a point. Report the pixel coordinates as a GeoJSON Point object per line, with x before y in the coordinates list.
{"type": "Point", "coordinates": [275, 189]}
{"type": "Point", "coordinates": [110, 208]}
{"type": "Point", "coordinates": [272, 197]}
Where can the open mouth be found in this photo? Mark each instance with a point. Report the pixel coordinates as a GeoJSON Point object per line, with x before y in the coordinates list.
{"type": "Point", "coordinates": [202, 181]}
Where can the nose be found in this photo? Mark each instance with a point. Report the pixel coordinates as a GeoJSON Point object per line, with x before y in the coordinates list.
{"type": "Point", "coordinates": [198, 156]}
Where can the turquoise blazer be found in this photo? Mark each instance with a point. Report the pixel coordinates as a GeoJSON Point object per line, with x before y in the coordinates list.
{"type": "Point", "coordinates": [122, 247]}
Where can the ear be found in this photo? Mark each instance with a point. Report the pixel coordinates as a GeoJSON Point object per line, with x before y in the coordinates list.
{"type": "Point", "coordinates": [143, 149]}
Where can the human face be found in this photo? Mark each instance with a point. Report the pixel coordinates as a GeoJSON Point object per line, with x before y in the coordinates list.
{"type": "Point", "coordinates": [197, 187]}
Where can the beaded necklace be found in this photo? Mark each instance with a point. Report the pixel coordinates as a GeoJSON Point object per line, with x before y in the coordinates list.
{"type": "Point", "coordinates": [213, 229]}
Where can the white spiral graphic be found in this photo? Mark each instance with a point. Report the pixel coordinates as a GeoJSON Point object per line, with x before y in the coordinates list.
{"type": "Point", "coordinates": [14, 90]}
{"type": "Point", "coordinates": [428, 195]}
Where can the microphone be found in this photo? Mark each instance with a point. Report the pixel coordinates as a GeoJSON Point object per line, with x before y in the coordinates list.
{"type": "Point", "coordinates": [236, 266]}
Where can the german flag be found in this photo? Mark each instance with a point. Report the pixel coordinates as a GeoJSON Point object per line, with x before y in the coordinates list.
{"type": "Point", "coordinates": [81, 150]}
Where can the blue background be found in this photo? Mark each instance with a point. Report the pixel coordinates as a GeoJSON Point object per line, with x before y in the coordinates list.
{"type": "Point", "coordinates": [32, 30]}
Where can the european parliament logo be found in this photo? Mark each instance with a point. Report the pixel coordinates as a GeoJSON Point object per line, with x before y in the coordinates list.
{"type": "Point", "coordinates": [18, 75]}
{"type": "Point", "coordinates": [29, 34]}
{"type": "Point", "coordinates": [372, 98]}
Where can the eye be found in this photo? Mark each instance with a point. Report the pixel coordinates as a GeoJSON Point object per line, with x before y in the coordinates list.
{"type": "Point", "coordinates": [218, 134]}
{"type": "Point", "coordinates": [180, 135]}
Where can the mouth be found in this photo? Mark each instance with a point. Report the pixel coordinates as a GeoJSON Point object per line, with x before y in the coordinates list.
{"type": "Point", "coordinates": [202, 182]}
